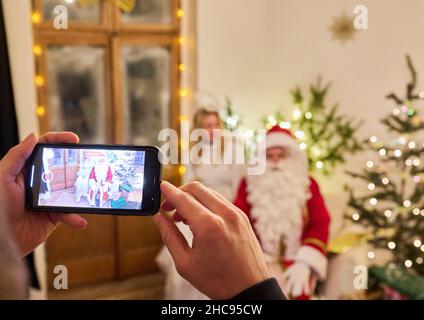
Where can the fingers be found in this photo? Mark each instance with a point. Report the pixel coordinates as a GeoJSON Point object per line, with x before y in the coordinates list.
{"type": "Point", "coordinates": [297, 288]}
{"type": "Point", "coordinates": [59, 137]}
{"type": "Point", "coordinates": [210, 199]}
{"type": "Point", "coordinates": [296, 284]}
{"type": "Point", "coordinates": [177, 218]}
{"type": "Point", "coordinates": [14, 161]}
{"type": "Point", "coordinates": [172, 237]}
{"type": "Point", "coordinates": [72, 220]}
{"type": "Point", "coordinates": [167, 206]}
{"type": "Point", "coordinates": [187, 207]}
{"type": "Point", "coordinates": [306, 288]}
{"type": "Point", "coordinates": [288, 284]}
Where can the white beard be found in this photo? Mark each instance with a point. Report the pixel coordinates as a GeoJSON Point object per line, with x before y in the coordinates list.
{"type": "Point", "coordinates": [278, 198]}
{"type": "Point", "coordinates": [101, 173]}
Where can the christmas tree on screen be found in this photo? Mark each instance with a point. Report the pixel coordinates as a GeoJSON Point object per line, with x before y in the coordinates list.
{"type": "Point", "coordinates": [391, 205]}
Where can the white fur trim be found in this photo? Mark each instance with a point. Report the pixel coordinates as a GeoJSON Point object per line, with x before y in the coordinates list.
{"type": "Point", "coordinates": [278, 139]}
{"type": "Point", "coordinates": [313, 258]}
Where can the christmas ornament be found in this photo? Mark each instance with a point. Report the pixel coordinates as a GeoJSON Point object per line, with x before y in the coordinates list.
{"type": "Point", "coordinates": [342, 28]}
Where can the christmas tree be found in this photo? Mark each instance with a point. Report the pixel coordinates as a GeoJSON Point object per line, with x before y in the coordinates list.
{"type": "Point", "coordinates": [229, 118]}
{"type": "Point", "coordinates": [392, 208]}
{"type": "Point", "coordinates": [326, 135]}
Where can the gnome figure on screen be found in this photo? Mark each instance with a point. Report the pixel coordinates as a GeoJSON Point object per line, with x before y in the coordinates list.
{"type": "Point", "coordinates": [99, 182]}
{"type": "Point", "coordinates": [288, 215]}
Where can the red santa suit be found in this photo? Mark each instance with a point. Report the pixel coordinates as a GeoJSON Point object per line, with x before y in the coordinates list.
{"type": "Point", "coordinates": [289, 217]}
{"type": "Point", "coordinates": [100, 180]}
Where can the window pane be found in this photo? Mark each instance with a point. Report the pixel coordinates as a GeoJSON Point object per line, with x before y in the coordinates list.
{"type": "Point", "coordinates": [84, 11]}
{"type": "Point", "coordinates": [76, 91]}
{"type": "Point", "coordinates": [150, 11]}
{"type": "Point", "coordinates": [145, 93]}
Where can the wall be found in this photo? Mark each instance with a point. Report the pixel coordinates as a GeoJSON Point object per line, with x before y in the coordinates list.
{"type": "Point", "coordinates": [19, 33]}
{"type": "Point", "coordinates": [255, 51]}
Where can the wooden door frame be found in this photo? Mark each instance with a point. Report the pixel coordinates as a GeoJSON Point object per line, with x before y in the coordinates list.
{"type": "Point", "coordinates": [110, 35]}
{"type": "Point", "coordinates": [171, 42]}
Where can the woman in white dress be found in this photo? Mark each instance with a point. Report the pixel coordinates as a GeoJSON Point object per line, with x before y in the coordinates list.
{"type": "Point", "coordinates": [223, 178]}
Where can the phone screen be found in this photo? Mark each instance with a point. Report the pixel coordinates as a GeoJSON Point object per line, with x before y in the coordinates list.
{"type": "Point", "coordinates": [87, 179]}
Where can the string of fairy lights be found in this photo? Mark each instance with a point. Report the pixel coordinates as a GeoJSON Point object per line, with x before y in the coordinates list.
{"type": "Point", "coordinates": [398, 148]}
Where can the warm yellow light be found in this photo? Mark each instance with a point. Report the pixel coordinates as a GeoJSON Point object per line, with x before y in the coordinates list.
{"type": "Point", "coordinates": [183, 93]}
{"type": "Point", "coordinates": [39, 81]}
{"type": "Point", "coordinates": [180, 13]}
{"type": "Point", "coordinates": [37, 50]}
{"type": "Point", "coordinates": [36, 17]}
{"type": "Point", "coordinates": [184, 144]}
{"type": "Point", "coordinates": [182, 67]}
{"type": "Point", "coordinates": [40, 111]}
{"type": "Point", "coordinates": [272, 121]}
{"type": "Point", "coordinates": [182, 170]}
{"type": "Point", "coordinates": [296, 114]}
{"type": "Point", "coordinates": [181, 40]}
{"type": "Point", "coordinates": [183, 117]}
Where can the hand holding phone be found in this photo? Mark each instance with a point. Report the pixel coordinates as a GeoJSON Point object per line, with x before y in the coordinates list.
{"type": "Point", "coordinates": [30, 229]}
{"type": "Point", "coordinates": [102, 179]}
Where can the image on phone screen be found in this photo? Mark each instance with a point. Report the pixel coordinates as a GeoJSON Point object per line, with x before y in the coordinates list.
{"type": "Point", "coordinates": [91, 178]}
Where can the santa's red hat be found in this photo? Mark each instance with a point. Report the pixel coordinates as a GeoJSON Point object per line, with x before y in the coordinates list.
{"type": "Point", "coordinates": [279, 137]}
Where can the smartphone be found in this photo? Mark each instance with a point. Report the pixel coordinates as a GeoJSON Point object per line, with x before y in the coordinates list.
{"type": "Point", "coordinates": [102, 179]}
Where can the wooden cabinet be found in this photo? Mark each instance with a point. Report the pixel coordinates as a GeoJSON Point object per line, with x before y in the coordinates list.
{"type": "Point", "coordinates": [111, 77]}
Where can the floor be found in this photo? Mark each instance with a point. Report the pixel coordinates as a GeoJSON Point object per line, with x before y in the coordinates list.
{"type": "Point", "coordinates": [66, 198]}
{"type": "Point", "coordinates": [148, 287]}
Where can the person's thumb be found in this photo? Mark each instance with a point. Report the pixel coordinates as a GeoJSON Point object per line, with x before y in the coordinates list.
{"type": "Point", "coordinates": [14, 161]}
{"type": "Point", "coordinates": [172, 238]}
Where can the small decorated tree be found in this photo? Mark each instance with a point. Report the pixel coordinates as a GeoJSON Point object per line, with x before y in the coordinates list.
{"type": "Point", "coordinates": [231, 120]}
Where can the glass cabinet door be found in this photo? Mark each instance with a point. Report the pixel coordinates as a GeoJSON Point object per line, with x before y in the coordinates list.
{"type": "Point", "coordinates": [145, 93]}
{"type": "Point", "coordinates": [149, 12]}
{"type": "Point", "coordinates": [82, 14]}
{"type": "Point", "coordinates": [76, 90]}
{"type": "Point", "coordinates": [148, 15]}
{"type": "Point", "coordinates": [88, 11]}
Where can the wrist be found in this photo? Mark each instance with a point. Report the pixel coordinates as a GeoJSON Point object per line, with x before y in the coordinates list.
{"type": "Point", "coordinates": [267, 289]}
{"type": "Point", "coordinates": [243, 285]}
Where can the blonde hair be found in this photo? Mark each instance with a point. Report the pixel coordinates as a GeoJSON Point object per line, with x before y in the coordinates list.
{"type": "Point", "coordinates": [200, 116]}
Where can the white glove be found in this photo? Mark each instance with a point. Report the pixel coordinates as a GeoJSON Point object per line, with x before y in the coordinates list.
{"type": "Point", "coordinates": [297, 280]}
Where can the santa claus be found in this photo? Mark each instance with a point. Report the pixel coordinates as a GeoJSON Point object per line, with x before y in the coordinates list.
{"type": "Point", "coordinates": [99, 182]}
{"type": "Point", "coordinates": [288, 214]}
